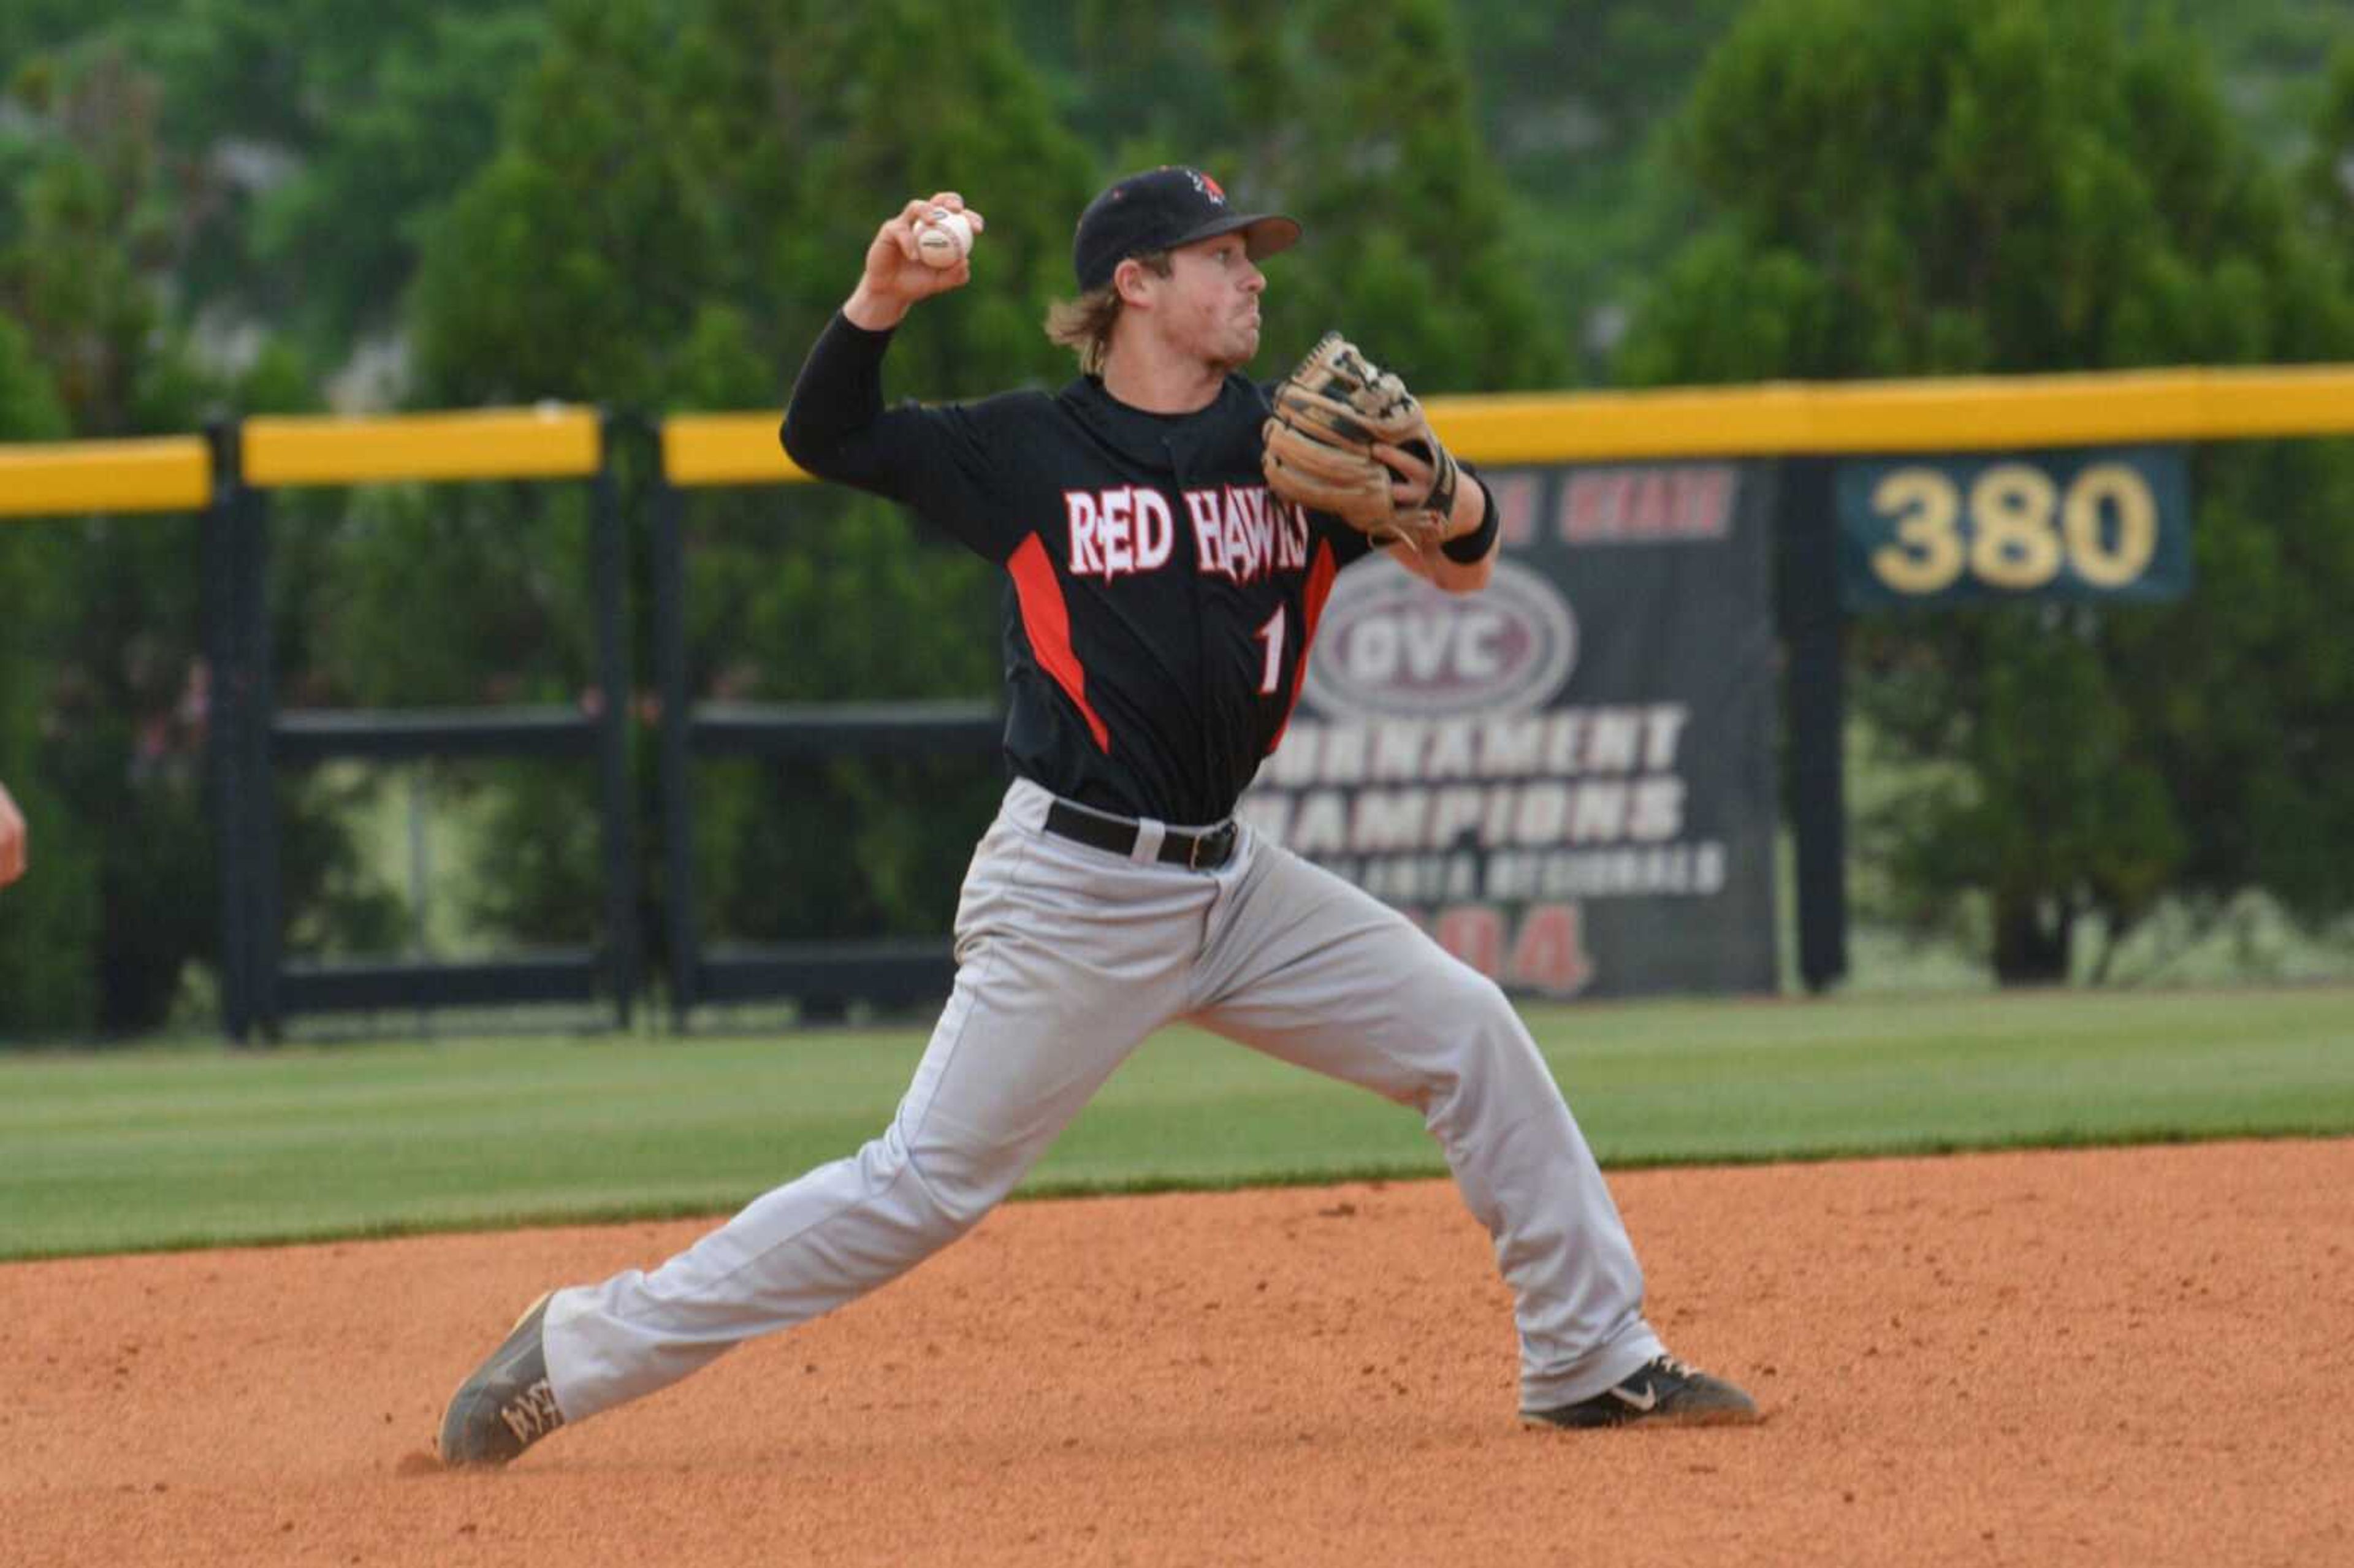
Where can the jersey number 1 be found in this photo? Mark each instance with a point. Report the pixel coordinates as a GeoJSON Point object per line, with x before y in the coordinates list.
{"type": "Point", "coordinates": [1272, 635]}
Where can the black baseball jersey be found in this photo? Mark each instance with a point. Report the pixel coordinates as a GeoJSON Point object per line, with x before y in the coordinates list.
{"type": "Point", "coordinates": [1161, 599]}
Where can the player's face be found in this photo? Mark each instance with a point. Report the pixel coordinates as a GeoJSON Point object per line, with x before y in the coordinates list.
{"type": "Point", "coordinates": [1213, 298]}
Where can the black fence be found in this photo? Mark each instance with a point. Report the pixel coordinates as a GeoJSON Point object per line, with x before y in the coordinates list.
{"type": "Point", "coordinates": [825, 977]}
{"type": "Point", "coordinates": [254, 739]}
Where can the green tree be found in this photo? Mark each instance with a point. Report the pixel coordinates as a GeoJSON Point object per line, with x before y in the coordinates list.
{"type": "Point", "coordinates": [682, 192]}
{"type": "Point", "coordinates": [103, 726]}
{"type": "Point", "coordinates": [1411, 251]}
{"type": "Point", "coordinates": [1573, 100]}
{"type": "Point", "coordinates": [2326, 182]}
{"type": "Point", "coordinates": [678, 204]}
{"type": "Point", "coordinates": [100, 630]}
{"type": "Point", "coordinates": [310, 140]}
{"type": "Point", "coordinates": [48, 923]}
{"type": "Point", "coordinates": [29, 409]}
{"type": "Point", "coordinates": [1363, 123]}
{"type": "Point", "coordinates": [1944, 186]}
{"type": "Point", "coordinates": [80, 240]}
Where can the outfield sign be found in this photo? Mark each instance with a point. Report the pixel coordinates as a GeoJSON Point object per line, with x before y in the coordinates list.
{"type": "Point", "coordinates": [1567, 777]}
{"type": "Point", "coordinates": [2085, 524]}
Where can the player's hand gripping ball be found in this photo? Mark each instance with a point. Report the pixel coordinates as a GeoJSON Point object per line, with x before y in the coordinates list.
{"type": "Point", "coordinates": [944, 237]}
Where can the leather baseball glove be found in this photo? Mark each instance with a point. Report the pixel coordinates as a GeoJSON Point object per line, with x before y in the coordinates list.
{"type": "Point", "coordinates": [1330, 414]}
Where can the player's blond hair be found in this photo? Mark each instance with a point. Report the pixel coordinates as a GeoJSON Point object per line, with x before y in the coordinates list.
{"type": "Point", "coordinates": [1084, 324]}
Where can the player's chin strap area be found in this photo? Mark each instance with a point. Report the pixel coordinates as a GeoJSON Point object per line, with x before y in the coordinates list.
{"type": "Point", "coordinates": [1120, 836]}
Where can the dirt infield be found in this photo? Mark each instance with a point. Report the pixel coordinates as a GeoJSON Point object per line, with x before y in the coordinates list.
{"type": "Point", "coordinates": [2130, 1357]}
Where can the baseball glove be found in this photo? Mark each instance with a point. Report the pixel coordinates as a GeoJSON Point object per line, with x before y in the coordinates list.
{"type": "Point", "coordinates": [1330, 413]}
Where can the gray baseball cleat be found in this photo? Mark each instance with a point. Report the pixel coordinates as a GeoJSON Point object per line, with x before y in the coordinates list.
{"type": "Point", "coordinates": [1662, 1392]}
{"type": "Point", "coordinates": [507, 1405]}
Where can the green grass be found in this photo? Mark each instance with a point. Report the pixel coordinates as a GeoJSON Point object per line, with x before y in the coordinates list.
{"type": "Point", "coordinates": [194, 1147]}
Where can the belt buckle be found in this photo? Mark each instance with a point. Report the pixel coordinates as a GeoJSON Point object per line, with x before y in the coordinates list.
{"type": "Point", "coordinates": [1193, 851]}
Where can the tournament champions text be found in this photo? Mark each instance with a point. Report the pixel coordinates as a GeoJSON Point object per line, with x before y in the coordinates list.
{"type": "Point", "coordinates": [1566, 779]}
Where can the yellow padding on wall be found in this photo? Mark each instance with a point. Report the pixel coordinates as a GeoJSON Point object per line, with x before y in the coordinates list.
{"type": "Point", "coordinates": [551, 441]}
{"type": "Point", "coordinates": [726, 448]}
{"type": "Point", "coordinates": [1990, 413]}
{"type": "Point", "coordinates": [166, 473]}
{"type": "Point", "coordinates": [1960, 414]}
{"type": "Point", "coordinates": [1963, 414]}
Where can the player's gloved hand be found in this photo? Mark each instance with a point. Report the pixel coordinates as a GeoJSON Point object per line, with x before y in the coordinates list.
{"type": "Point", "coordinates": [1348, 439]}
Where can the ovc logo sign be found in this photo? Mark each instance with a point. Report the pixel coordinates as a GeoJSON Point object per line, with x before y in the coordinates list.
{"type": "Point", "coordinates": [1390, 645]}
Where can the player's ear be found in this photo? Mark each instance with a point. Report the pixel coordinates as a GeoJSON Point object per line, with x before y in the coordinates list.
{"type": "Point", "coordinates": [1134, 280]}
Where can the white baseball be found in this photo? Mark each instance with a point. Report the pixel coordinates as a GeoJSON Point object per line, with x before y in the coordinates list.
{"type": "Point", "coordinates": [944, 239]}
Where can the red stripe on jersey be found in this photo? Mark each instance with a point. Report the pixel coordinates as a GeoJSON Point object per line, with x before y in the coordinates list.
{"type": "Point", "coordinates": [1321, 572]}
{"type": "Point", "coordinates": [1047, 621]}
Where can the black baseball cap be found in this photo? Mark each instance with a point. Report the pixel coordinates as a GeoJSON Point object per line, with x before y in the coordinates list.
{"type": "Point", "coordinates": [1160, 210]}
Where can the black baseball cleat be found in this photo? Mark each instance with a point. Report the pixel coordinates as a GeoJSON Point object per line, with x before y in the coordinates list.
{"type": "Point", "coordinates": [507, 1405]}
{"type": "Point", "coordinates": [1662, 1392]}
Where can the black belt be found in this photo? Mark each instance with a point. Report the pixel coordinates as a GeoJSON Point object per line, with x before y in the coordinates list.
{"type": "Point", "coordinates": [1194, 852]}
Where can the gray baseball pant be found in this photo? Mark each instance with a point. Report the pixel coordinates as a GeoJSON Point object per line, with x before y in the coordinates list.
{"type": "Point", "coordinates": [1068, 957]}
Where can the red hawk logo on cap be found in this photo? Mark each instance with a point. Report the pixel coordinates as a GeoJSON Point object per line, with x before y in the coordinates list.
{"type": "Point", "coordinates": [1207, 187]}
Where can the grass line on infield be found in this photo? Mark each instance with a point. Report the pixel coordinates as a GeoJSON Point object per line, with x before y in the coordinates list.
{"type": "Point", "coordinates": [168, 1149]}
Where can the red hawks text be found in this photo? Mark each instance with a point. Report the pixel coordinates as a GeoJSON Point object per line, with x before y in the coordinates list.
{"type": "Point", "coordinates": [1240, 532]}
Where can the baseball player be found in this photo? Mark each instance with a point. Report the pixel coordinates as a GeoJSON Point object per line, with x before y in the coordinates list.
{"type": "Point", "coordinates": [12, 839]}
{"type": "Point", "coordinates": [1163, 601]}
